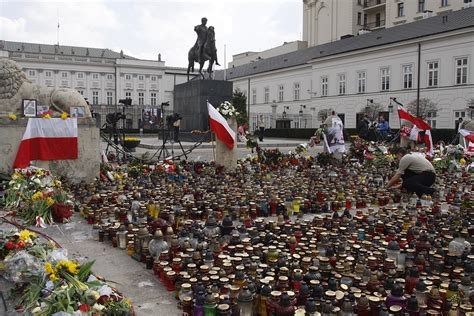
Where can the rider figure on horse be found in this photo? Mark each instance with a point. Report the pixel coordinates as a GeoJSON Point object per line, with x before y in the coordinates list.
{"type": "Point", "coordinates": [201, 31]}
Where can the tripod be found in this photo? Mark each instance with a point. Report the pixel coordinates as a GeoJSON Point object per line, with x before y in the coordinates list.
{"type": "Point", "coordinates": [168, 134]}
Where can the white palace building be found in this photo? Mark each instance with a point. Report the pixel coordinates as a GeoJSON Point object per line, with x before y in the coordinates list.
{"type": "Point", "coordinates": [295, 81]}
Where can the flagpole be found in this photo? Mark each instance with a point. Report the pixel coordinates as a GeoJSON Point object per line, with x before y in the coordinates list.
{"type": "Point", "coordinates": [213, 146]}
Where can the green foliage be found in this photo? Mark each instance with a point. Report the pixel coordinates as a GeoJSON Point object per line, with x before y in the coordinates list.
{"type": "Point", "coordinates": [239, 101]}
{"type": "Point", "coordinates": [426, 106]}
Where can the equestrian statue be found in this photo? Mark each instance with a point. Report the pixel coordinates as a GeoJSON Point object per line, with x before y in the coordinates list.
{"type": "Point", "coordinates": [204, 49]}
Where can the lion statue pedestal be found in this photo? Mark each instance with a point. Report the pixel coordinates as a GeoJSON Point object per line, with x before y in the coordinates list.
{"type": "Point", "coordinates": [85, 168]}
{"type": "Point", "coordinates": [14, 87]}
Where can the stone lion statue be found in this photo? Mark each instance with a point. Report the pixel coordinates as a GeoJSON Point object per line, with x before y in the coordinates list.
{"type": "Point", "coordinates": [14, 86]}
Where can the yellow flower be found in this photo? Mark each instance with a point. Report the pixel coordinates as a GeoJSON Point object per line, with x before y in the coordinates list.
{"type": "Point", "coordinates": [49, 201]}
{"type": "Point", "coordinates": [38, 195]}
{"type": "Point", "coordinates": [57, 183]}
{"type": "Point", "coordinates": [47, 116]}
{"type": "Point", "coordinates": [12, 117]}
{"type": "Point", "coordinates": [70, 266]}
{"type": "Point", "coordinates": [26, 234]}
{"type": "Point", "coordinates": [16, 175]}
{"type": "Point", "coordinates": [64, 115]}
{"type": "Point", "coordinates": [48, 267]}
{"type": "Point", "coordinates": [53, 277]}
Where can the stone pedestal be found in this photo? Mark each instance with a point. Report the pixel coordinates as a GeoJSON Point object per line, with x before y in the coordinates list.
{"type": "Point", "coordinates": [224, 156]}
{"type": "Point", "coordinates": [86, 167]}
{"type": "Point", "coordinates": [190, 100]}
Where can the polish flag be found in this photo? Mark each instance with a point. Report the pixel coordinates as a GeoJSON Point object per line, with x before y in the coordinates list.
{"type": "Point", "coordinates": [403, 114]}
{"type": "Point", "coordinates": [468, 135]}
{"type": "Point", "coordinates": [47, 139]}
{"type": "Point", "coordinates": [220, 127]}
{"type": "Point", "coordinates": [429, 143]}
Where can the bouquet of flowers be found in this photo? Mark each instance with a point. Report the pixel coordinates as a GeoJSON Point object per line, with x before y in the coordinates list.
{"type": "Point", "coordinates": [48, 282]}
{"type": "Point", "coordinates": [228, 110]}
{"type": "Point", "coordinates": [38, 195]}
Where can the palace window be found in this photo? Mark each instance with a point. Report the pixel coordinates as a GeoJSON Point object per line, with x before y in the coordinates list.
{"type": "Point", "coordinates": [461, 70]}
{"type": "Point", "coordinates": [296, 87]}
{"type": "Point", "coordinates": [110, 99]}
{"type": "Point", "coordinates": [361, 81]}
{"type": "Point", "coordinates": [153, 98]}
{"type": "Point", "coordinates": [254, 96]}
{"type": "Point", "coordinates": [342, 83]}
{"type": "Point", "coordinates": [433, 74]}
{"type": "Point", "coordinates": [407, 76]}
{"type": "Point", "coordinates": [141, 98]}
{"type": "Point", "coordinates": [267, 94]}
{"type": "Point", "coordinates": [385, 78]}
{"type": "Point", "coordinates": [95, 97]}
{"type": "Point", "coordinates": [281, 93]}
{"type": "Point", "coordinates": [324, 86]}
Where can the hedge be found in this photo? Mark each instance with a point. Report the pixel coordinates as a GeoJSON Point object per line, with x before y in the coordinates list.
{"type": "Point", "coordinates": [446, 135]}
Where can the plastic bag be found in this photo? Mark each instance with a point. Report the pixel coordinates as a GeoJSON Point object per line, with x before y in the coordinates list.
{"type": "Point", "coordinates": [57, 255]}
{"type": "Point", "coordinates": [20, 267]}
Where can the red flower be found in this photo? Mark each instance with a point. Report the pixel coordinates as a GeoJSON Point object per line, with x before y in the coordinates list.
{"type": "Point", "coordinates": [10, 245]}
{"type": "Point", "coordinates": [20, 245]}
{"type": "Point", "coordinates": [84, 307]}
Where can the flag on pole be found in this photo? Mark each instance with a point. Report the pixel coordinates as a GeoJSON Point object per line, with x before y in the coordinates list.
{"type": "Point", "coordinates": [47, 139]}
{"type": "Point", "coordinates": [429, 143]}
{"type": "Point", "coordinates": [219, 126]}
{"type": "Point", "coordinates": [403, 114]}
{"type": "Point", "coordinates": [468, 135]}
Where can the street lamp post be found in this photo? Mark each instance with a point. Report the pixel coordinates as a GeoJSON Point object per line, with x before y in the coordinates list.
{"type": "Point", "coordinates": [283, 115]}
{"type": "Point", "coordinates": [302, 106]}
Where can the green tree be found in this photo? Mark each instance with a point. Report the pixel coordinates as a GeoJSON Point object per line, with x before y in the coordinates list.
{"type": "Point", "coordinates": [239, 100]}
{"type": "Point", "coordinates": [427, 108]}
{"type": "Point", "coordinates": [372, 110]}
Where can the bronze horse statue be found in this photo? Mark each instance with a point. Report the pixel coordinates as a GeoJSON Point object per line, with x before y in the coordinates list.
{"type": "Point", "coordinates": [209, 53]}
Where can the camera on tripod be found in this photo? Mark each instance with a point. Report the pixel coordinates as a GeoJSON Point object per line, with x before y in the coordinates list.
{"type": "Point", "coordinates": [113, 118]}
{"type": "Point", "coordinates": [173, 118]}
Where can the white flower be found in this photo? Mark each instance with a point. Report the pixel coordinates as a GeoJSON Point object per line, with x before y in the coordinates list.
{"type": "Point", "coordinates": [225, 112]}
{"type": "Point", "coordinates": [98, 307]}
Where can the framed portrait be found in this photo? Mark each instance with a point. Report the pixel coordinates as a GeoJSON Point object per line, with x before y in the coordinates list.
{"type": "Point", "coordinates": [29, 107]}
{"type": "Point", "coordinates": [41, 109]}
{"type": "Point", "coordinates": [78, 111]}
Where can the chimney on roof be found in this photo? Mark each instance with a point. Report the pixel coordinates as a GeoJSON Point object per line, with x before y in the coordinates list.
{"type": "Point", "coordinates": [103, 53]}
{"type": "Point", "coordinates": [427, 14]}
{"type": "Point", "coordinates": [159, 56]}
{"type": "Point", "coordinates": [121, 54]}
{"type": "Point", "coordinates": [87, 51]}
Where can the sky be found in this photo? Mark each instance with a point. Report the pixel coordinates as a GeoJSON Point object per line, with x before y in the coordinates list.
{"type": "Point", "coordinates": [144, 28]}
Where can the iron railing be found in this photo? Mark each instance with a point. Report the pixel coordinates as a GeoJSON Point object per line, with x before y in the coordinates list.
{"type": "Point", "coordinates": [375, 24]}
{"type": "Point", "coordinates": [371, 3]}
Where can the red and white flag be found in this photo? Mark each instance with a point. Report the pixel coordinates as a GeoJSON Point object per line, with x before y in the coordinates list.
{"type": "Point", "coordinates": [47, 139]}
{"type": "Point", "coordinates": [403, 114]}
{"type": "Point", "coordinates": [469, 139]}
{"type": "Point", "coordinates": [219, 126]}
{"type": "Point", "coordinates": [429, 143]}
{"type": "Point", "coordinates": [468, 135]}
